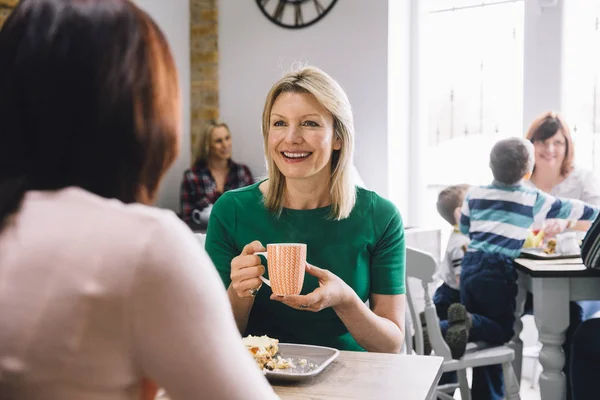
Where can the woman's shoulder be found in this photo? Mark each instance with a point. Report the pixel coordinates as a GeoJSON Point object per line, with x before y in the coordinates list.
{"type": "Point", "coordinates": [573, 185]}
{"type": "Point", "coordinates": [200, 166]}
{"type": "Point", "coordinates": [582, 175]}
{"type": "Point", "coordinates": [79, 209]}
{"type": "Point", "coordinates": [239, 166]}
{"type": "Point", "coordinates": [243, 196]}
{"type": "Point", "coordinates": [120, 235]}
{"type": "Point", "coordinates": [366, 197]}
{"type": "Point", "coordinates": [146, 232]}
{"type": "Point", "coordinates": [369, 201]}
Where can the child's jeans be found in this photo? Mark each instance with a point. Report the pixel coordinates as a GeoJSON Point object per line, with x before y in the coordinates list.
{"type": "Point", "coordinates": [445, 296]}
{"type": "Point", "coordinates": [488, 290]}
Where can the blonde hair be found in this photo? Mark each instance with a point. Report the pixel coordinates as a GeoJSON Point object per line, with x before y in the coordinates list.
{"type": "Point", "coordinates": [332, 97]}
{"type": "Point", "coordinates": [202, 143]}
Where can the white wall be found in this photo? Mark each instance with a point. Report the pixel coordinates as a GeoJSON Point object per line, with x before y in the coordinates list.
{"type": "Point", "coordinates": [173, 18]}
{"type": "Point", "coordinates": [350, 43]}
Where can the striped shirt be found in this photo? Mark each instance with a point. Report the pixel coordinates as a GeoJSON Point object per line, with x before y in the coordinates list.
{"type": "Point", "coordinates": [497, 217]}
{"type": "Point", "coordinates": [590, 248]}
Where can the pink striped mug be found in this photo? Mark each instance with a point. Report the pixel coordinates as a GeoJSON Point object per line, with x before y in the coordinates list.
{"type": "Point", "coordinates": [286, 263]}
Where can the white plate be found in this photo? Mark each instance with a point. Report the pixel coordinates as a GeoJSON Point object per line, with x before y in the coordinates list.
{"type": "Point", "coordinates": [317, 359]}
{"type": "Point", "coordinates": [538, 254]}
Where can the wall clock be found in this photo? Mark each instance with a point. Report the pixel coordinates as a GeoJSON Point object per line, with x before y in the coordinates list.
{"type": "Point", "coordinates": [295, 14]}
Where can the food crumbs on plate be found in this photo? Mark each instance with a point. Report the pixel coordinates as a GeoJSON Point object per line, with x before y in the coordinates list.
{"type": "Point", "coordinates": [550, 247]}
{"type": "Point", "coordinates": [303, 361]}
{"type": "Point", "coordinates": [264, 349]}
{"type": "Point", "coordinates": [279, 363]}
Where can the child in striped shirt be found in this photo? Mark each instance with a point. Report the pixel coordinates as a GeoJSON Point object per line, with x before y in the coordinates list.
{"type": "Point", "coordinates": [497, 218]}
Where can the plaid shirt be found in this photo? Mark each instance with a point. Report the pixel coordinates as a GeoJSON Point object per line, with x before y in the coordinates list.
{"type": "Point", "coordinates": [199, 189]}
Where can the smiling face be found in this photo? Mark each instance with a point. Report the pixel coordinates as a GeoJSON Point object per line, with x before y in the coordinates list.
{"type": "Point", "coordinates": [550, 153]}
{"type": "Point", "coordinates": [301, 137]}
{"type": "Point", "coordinates": [220, 143]}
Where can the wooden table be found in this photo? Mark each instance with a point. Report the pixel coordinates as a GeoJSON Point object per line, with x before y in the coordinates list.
{"type": "Point", "coordinates": [553, 283]}
{"type": "Point", "coordinates": [358, 375]}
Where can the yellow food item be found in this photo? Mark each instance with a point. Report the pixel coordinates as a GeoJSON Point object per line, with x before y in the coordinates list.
{"type": "Point", "coordinates": [533, 240]}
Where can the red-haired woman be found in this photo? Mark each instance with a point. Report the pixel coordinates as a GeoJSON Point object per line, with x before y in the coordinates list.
{"type": "Point", "coordinates": [99, 292]}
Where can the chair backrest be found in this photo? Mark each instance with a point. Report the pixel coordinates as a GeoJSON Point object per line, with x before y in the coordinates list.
{"type": "Point", "coordinates": [422, 266]}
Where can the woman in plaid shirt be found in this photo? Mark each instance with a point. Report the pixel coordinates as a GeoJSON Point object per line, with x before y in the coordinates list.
{"type": "Point", "coordinates": [212, 174]}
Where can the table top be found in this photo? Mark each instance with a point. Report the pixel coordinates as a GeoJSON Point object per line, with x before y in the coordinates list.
{"type": "Point", "coordinates": [569, 267]}
{"type": "Point", "coordinates": [360, 375]}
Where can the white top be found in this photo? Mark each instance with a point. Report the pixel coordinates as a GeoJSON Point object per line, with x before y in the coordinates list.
{"type": "Point", "coordinates": [580, 184]}
{"type": "Point", "coordinates": [451, 266]}
{"type": "Point", "coordinates": [95, 295]}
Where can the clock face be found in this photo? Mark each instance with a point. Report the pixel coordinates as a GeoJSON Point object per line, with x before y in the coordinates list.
{"type": "Point", "coordinates": [294, 14]}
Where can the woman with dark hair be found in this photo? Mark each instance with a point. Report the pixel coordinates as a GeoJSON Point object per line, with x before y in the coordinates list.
{"type": "Point", "coordinates": [99, 292]}
{"type": "Point", "coordinates": [555, 171]}
{"type": "Point", "coordinates": [212, 174]}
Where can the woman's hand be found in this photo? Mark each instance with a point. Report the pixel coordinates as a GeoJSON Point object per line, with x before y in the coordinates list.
{"type": "Point", "coordinates": [553, 227]}
{"type": "Point", "coordinates": [332, 292]}
{"type": "Point", "coordinates": [246, 270]}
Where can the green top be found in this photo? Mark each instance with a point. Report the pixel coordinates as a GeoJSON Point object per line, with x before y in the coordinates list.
{"type": "Point", "coordinates": [366, 250]}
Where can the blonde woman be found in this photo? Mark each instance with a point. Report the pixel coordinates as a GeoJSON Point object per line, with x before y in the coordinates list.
{"type": "Point", "coordinates": [355, 238]}
{"type": "Point", "coordinates": [212, 174]}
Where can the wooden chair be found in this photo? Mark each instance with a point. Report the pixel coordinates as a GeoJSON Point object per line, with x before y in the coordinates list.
{"type": "Point", "coordinates": [422, 266]}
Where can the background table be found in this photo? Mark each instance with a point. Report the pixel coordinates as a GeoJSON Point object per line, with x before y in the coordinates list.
{"type": "Point", "coordinates": [358, 375]}
{"type": "Point", "coordinates": [553, 283]}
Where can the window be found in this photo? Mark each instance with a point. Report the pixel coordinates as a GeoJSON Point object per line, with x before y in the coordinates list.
{"type": "Point", "coordinates": [581, 80]}
{"type": "Point", "coordinates": [473, 80]}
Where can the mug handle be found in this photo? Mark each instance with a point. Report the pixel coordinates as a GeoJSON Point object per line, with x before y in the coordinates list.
{"type": "Point", "coordinates": [262, 278]}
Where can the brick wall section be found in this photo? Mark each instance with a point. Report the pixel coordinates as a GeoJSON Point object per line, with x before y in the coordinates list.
{"type": "Point", "coordinates": [204, 58]}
